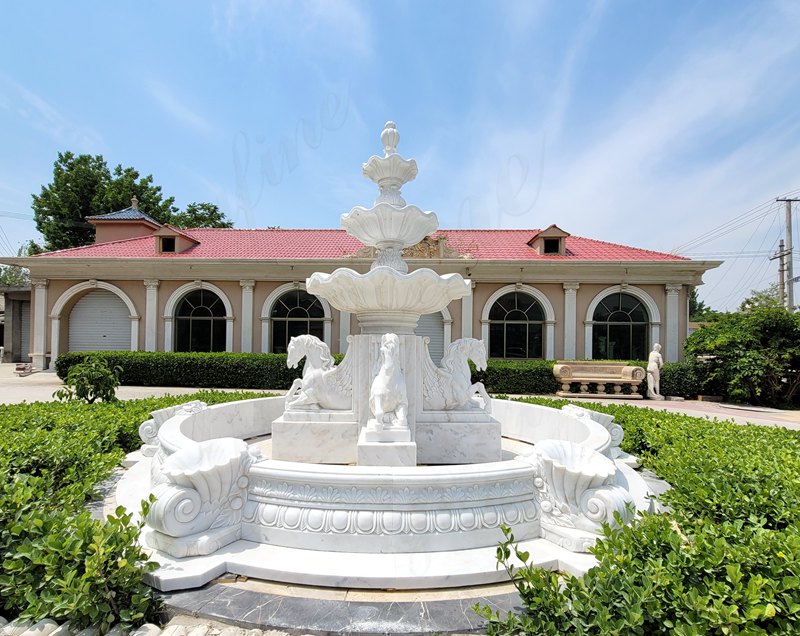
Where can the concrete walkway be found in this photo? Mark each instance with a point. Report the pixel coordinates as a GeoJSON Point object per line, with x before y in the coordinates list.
{"type": "Point", "coordinates": [39, 387]}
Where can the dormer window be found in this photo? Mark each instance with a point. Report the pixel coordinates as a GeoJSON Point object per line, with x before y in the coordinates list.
{"type": "Point", "coordinates": [550, 242]}
{"type": "Point", "coordinates": [552, 246]}
{"type": "Point", "coordinates": [167, 244]}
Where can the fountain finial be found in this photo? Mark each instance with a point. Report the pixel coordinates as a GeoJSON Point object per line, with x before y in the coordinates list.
{"type": "Point", "coordinates": [390, 138]}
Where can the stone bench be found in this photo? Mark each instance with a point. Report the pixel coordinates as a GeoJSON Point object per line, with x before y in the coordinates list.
{"type": "Point", "coordinates": [603, 374]}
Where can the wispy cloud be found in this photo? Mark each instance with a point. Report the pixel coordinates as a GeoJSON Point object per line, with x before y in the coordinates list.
{"type": "Point", "coordinates": [177, 108]}
{"type": "Point", "coordinates": [248, 27]}
{"type": "Point", "coordinates": [46, 118]}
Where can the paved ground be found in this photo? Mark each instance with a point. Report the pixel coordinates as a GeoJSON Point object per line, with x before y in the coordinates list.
{"type": "Point", "coordinates": [40, 387]}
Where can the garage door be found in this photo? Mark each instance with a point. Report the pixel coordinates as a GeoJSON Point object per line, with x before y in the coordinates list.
{"type": "Point", "coordinates": [100, 321]}
{"type": "Point", "coordinates": [25, 332]}
{"type": "Point", "coordinates": [432, 325]}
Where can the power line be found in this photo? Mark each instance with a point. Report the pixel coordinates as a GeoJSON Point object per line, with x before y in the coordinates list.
{"type": "Point", "coordinates": [754, 214]}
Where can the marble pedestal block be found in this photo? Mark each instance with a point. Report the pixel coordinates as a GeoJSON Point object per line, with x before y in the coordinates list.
{"type": "Point", "coordinates": [315, 442]}
{"type": "Point", "coordinates": [385, 453]}
{"type": "Point", "coordinates": [458, 442]}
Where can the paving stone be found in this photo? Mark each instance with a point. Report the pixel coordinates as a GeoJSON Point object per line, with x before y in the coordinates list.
{"type": "Point", "coordinates": [63, 630]}
{"type": "Point", "coordinates": [174, 630]}
{"type": "Point", "coordinates": [42, 628]}
{"type": "Point", "coordinates": [148, 629]}
{"type": "Point", "coordinates": [16, 627]}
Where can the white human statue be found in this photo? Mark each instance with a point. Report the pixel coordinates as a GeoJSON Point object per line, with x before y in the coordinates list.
{"type": "Point", "coordinates": [654, 364]}
{"type": "Point", "coordinates": [388, 400]}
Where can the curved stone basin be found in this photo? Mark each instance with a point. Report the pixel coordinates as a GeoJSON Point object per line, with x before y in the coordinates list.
{"type": "Point", "coordinates": [314, 518]}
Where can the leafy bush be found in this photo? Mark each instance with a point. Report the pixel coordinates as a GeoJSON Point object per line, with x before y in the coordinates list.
{"type": "Point", "coordinates": [55, 559]}
{"type": "Point", "coordinates": [726, 561]}
{"type": "Point", "coordinates": [756, 354]}
{"type": "Point", "coordinates": [202, 370]}
{"type": "Point", "coordinates": [517, 376]}
{"type": "Point", "coordinates": [89, 381]}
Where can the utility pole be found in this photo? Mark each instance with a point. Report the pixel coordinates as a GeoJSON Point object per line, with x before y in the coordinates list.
{"type": "Point", "coordinates": [781, 254]}
{"type": "Point", "coordinates": [789, 255]}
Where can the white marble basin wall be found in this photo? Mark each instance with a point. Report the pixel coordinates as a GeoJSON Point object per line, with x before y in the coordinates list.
{"type": "Point", "coordinates": [389, 509]}
{"type": "Point", "coordinates": [243, 419]}
{"type": "Point", "coordinates": [533, 423]}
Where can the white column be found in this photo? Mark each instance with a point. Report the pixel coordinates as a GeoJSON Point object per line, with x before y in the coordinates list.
{"type": "Point", "coordinates": [247, 315]}
{"type": "Point", "coordinates": [135, 333]}
{"type": "Point", "coordinates": [265, 334]}
{"type": "Point", "coordinates": [55, 335]}
{"type": "Point", "coordinates": [151, 314]}
{"type": "Point", "coordinates": [39, 354]}
{"type": "Point", "coordinates": [570, 319]}
{"type": "Point", "coordinates": [550, 339]}
{"type": "Point", "coordinates": [229, 333]}
{"type": "Point", "coordinates": [344, 330]}
{"type": "Point", "coordinates": [466, 314]}
{"type": "Point", "coordinates": [673, 298]}
{"type": "Point", "coordinates": [168, 333]}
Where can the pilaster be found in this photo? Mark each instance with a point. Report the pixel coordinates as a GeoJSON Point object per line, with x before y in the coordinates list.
{"type": "Point", "coordinates": [673, 291]}
{"type": "Point", "coordinates": [151, 314]}
{"type": "Point", "coordinates": [247, 314]}
{"type": "Point", "coordinates": [570, 319]}
{"type": "Point", "coordinates": [39, 353]}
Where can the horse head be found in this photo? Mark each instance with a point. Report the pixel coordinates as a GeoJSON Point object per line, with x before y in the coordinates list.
{"type": "Point", "coordinates": [296, 351]}
{"type": "Point", "coordinates": [316, 352]}
{"type": "Point", "coordinates": [465, 349]}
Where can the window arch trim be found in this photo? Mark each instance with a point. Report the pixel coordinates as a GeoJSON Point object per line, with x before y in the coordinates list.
{"type": "Point", "coordinates": [266, 313]}
{"type": "Point", "coordinates": [638, 293]}
{"type": "Point", "coordinates": [548, 349]}
{"type": "Point", "coordinates": [172, 305]}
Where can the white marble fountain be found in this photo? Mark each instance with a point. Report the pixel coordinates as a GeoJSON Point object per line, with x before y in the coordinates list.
{"type": "Point", "coordinates": [386, 471]}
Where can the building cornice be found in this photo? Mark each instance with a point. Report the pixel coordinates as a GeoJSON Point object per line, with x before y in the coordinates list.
{"type": "Point", "coordinates": [688, 272]}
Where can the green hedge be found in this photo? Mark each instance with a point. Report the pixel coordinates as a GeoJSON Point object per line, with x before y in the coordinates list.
{"type": "Point", "coordinates": [201, 370]}
{"type": "Point", "coordinates": [55, 560]}
{"type": "Point", "coordinates": [518, 376]}
{"type": "Point", "coordinates": [269, 371]}
{"type": "Point", "coordinates": [726, 560]}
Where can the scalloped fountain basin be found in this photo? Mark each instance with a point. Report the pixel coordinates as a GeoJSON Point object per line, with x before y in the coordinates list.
{"type": "Point", "coordinates": [380, 509]}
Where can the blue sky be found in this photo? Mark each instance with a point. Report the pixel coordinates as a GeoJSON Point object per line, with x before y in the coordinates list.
{"type": "Point", "coordinates": [648, 123]}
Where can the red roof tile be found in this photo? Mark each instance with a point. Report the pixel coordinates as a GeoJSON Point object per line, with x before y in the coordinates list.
{"type": "Point", "coordinates": [334, 244]}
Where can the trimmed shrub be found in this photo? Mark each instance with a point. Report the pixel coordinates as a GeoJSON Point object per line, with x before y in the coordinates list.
{"type": "Point", "coordinates": [518, 376]}
{"type": "Point", "coordinates": [725, 561]}
{"type": "Point", "coordinates": [55, 560]}
{"type": "Point", "coordinates": [203, 370]}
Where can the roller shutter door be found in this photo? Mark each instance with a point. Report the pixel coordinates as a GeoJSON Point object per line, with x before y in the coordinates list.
{"type": "Point", "coordinates": [432, 326]}
{"type": "Point", "coordinates": [25, 332]}
{"type": "Point", "coordinates": [100, 321]}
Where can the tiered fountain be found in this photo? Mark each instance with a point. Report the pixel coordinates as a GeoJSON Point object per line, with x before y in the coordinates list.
{"type": "Point", "coordinates": [386, 470]}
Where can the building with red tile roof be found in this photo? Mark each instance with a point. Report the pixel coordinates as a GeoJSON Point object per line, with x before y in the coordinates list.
{"type": "Point", "coordinates": [536, 293]}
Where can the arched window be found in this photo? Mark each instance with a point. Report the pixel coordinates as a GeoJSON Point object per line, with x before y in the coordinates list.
{"type": "Point", "coordinates": [200, 322]}
{"type": "Point", "coordinates": [516, 327]}
{"type": "Point", "coordinates": [620, 329]}
{"type": "Point", "coordinates": [293, 314]}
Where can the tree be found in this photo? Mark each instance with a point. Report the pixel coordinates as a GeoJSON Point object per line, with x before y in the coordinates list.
{"type": "Point", "coordinates": [83, 186]}
{"type": "Point", "coordinates": [77, 191]}
{"type": "Point", "coordinates": [698, 310]}
{"type": "Point", "coordinates": [13, 275]}
{"type": "Point", "coordinates": [769, 297]}
{"type": "Point", "coordinates": [756, 354]}
{"type": "Point", "coordinates": [125, 183]}
{"type": "Point", "coordinates": [200, 215]}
